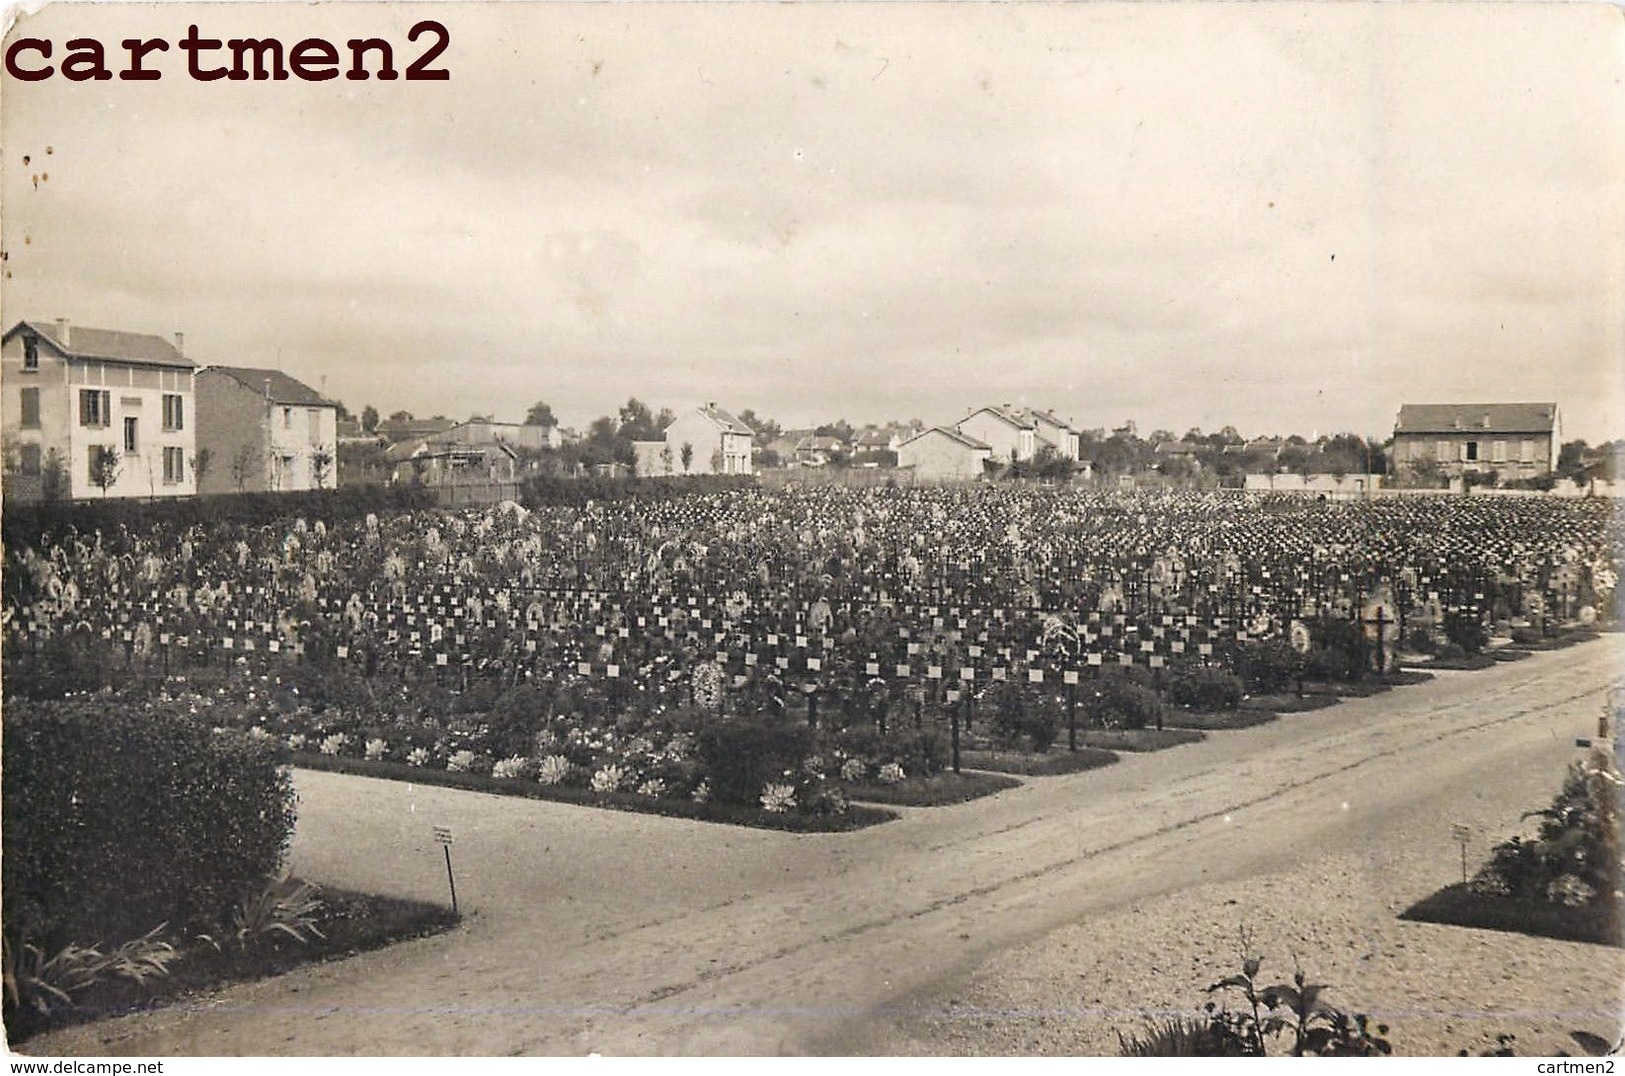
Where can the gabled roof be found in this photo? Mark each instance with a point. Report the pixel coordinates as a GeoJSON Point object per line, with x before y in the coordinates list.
{"type": "Point", "coordinates": [1050, 418]}
{"type": "Point", "coordinates": [274, 385]}
{"type": "Point", "coordinates": [1007, 414]}
{"type": "Point", "coordinates": [952, 434]}
{"type": "Point", "coordinates": [724, 421]}
{"type": "Point", "coordinates": [1477, 418]}
{"type": "Point", "coordinates": [406, 429]}
{"type": "Point", "coordinates": [107, 345]}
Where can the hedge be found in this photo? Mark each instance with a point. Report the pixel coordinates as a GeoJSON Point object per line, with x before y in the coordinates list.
{"type": "Point", "coordinates": [743, 754]}
{"type": "Point", "coordinates": [33, 525]}
{"type": "Point", "coordinates": [539, 491]}
{"type": "Point", "coordinates": [120, 817]}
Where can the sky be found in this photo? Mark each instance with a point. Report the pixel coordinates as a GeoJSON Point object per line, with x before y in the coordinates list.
{"type": "Point", "coordinates": [1283, 218]}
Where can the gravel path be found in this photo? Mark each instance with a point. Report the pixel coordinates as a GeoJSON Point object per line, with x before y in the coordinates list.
{"type": "Point", "coordinates": [1031, 921]}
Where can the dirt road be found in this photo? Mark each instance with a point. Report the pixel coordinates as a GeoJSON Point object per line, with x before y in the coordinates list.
{"type": "Point", "coordinates": [629, 934]}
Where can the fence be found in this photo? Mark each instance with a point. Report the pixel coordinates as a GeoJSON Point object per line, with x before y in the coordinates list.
{"type": "Point", "coordinates": [460, 494]}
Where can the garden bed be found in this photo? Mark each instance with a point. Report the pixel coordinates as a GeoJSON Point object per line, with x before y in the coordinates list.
{"type": "Point", "coordinates": [1465, 663]}
{"type": "Point", "coordinates": [1556, 641]}
{"type": "Point", "coordinates": [933, 791]}
{"type": "Point", "coordinates": [1140, 739]}
{"type": "Point", "coordinates": [1289, 703]}
{"type": "Point", "coordinates": [351, 922]}
{"type": "Point", "coordinates": [1039, 764]}
{"type": "Point", "coordinates": [1509, 653]}
{"type": "Point", "coordinates": [856, 817]}
{"type": "Point", "coordinates": [1459, 905]}
{"type": "Point", "coordinates": [1215, 720]}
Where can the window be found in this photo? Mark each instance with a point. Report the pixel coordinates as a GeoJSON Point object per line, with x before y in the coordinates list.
{"type": "Point", "coordinates": [174, 466]}
{"type": "Point", "coordinates": [30, 353]}
{"type": "Point", "coordinates": [287, 418]}
{"type": "Point", "coordinates": [313, 416]}
{"type": "Point", "coordinates": [30, 419]}
{"type": "Point", "coordinates": [1526, 451]}
{"type": "Point", "coordinates": [95, 407]}
{"type": "Point", "coordinates": [174, 412]}
{"type": "Point", "coordinates": [28, 460]}
{"type": "Point", "coordinates": [1469, 451]}
{"type": "Point", "coordinates": [1498, 451]}
{"type": "Point", "coordinates": [1443, 452]}
{"type": "Point", "coordinates": [132, 443]}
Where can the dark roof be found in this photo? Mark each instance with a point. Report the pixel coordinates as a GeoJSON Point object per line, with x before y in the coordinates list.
{"type": "Point", "coordinates": [1050, 418]}
{"type": "Point", "coordinates": [109, 345]}
{"type": "Point", "coordinates": [406, 429]}
{"type": "Point", "coordinates": [275, 385]}
{"type": "Point", "coordinates": [948, 431]}
{"type": "Point", "coordinates": [1477, 418]}
{"type": "Point", "coordinates": [1008, 414]}
{"type": "Point", "coordinates": [729, 423]}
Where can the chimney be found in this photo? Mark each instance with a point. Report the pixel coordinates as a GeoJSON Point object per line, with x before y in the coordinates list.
{"type": "Point", "coordinates": [62, 332]}
{"type": "Point", "coordinates": [180, 342]}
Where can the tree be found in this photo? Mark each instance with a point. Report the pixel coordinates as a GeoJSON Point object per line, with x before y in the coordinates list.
{"type": "Point", "coordinates": [321, 465]}
{"type": "Point", "coordinates": [765, 429]}
{"type": "Point", "coordinates": [53, 482]}
{"type": "Point", "coordinates": [401, 416]}
{"type": "Point", "coordinates": [245, 464]}
{"type": "Point", "coordinates": [369, 418]}
{"type": "Point", "coordinates": [1571, 460]}
{"type": "Point", "coordinates": [104, 467]}
{"type": "Point", "coordinates": [665, 459]}
{"type": "Point", "coordinates": [540, 414]}
{"type": "Point", "coordinates": [637, 421]}
{"type": "Point", "coordinates": [686, 454]}
{"type": "Point", "coordinates": [201, 460]}
{"type": "Point", "coordinates": [717, 460]}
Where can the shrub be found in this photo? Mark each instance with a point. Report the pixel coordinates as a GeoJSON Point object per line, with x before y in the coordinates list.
{"type": "Point", "coordinates": [1574, 859]}
{"type": "Point", "coordinates": [1119, 702]}
{"type": "Point", "coordinates": [117, 817]}
{"type": "Point", "coordinates": [1205, 687]}
{"type": "Point", "coordinates": [1268, 667]}
{"type": "Point", "coordinates": [1466, 629]}
{"type": "Point", "coordinates": [743, 756]}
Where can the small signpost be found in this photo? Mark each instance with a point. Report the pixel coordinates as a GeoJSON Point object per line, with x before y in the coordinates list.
{"type": "Point", "coordinates": [442, 835]}
{"type": "Point", "coordinates": [1461, 834]}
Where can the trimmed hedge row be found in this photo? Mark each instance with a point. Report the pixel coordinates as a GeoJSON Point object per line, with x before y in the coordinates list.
{"type": "Point", "coordinates": [540, 491]}
{"type": "Point", "coordinates": [120, 817]}
{"type": "Point", "coordinates": [34, 524]}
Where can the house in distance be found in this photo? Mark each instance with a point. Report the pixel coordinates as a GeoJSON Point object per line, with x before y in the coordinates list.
{"type": "Point", "coordinates": [264, 432]}
{"type": "Point", "coordinates": [1514, 440]}
{"type": "Point", "coordinates": [95, 413]}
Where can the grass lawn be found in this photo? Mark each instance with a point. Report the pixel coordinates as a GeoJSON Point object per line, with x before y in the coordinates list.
{"type": "Point", "coordinates": [1057, 760]}
{"type": "Point", "coordinates": [1457, 905]}
{"type": "Point", "coordinates": [934, 791]}
{"type": "Point", "coordinates": [1217, 719]}
{"type": "Point", "coordinates": [730, 814]}
{"type": "Point", "coordinates": [1139, 739]}
{"type": "Point", "coordinates": [351, 922]}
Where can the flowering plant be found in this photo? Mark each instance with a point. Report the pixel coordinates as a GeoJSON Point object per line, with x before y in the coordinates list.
{"type": "Point", "coordinates": [778, 797]}
{"type": "Point", "coordinates": [460, 761]}
{"type": "Point", "coordinates": [513, 766]}
{"type": "Point", "coordinates": [553, 770]}
{"type": "Point", "coordinates": [608, 778]}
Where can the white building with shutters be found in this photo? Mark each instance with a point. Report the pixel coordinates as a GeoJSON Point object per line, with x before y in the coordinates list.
{"type": "Point", "coordinates": [95, 412]}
